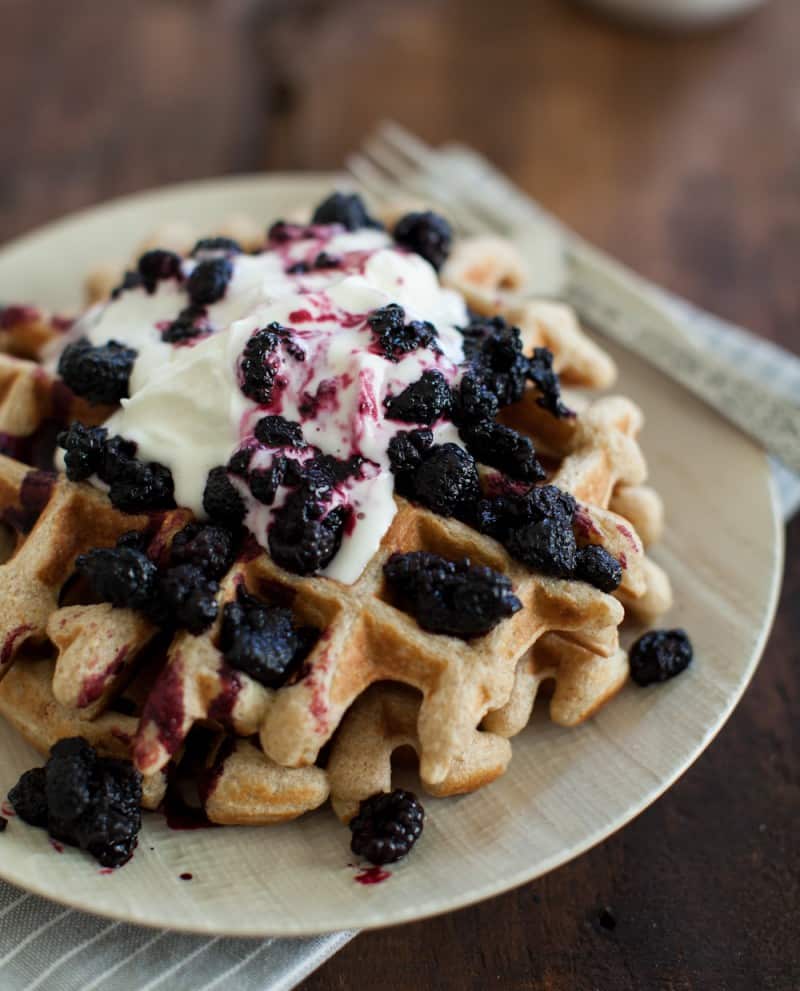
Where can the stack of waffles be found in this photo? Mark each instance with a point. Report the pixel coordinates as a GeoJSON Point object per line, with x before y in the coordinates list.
{"type": "Point", "coordinates": [375, 680]}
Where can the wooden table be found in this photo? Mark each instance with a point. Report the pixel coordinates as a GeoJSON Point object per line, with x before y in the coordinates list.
{"type": "Point", "coordinates": [681, 156]}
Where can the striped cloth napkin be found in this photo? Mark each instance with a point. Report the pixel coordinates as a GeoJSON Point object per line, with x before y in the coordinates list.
{"type": "Point", "coordinates": [44, 947]}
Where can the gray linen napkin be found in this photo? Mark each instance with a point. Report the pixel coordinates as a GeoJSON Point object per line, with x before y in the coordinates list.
{"type": "Point", "coordinates": [44, 947]}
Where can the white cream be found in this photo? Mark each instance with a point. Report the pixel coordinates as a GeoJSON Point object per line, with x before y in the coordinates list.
{"type": "Point", "coordinates": [186, 409]}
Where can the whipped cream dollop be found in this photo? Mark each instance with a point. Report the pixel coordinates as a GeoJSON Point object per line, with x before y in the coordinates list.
{"type": "Point", "coordinates": [187, 409]}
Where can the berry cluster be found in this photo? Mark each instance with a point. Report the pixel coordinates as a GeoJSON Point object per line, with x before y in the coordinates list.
{"type": "Point", "coordinates": [453, 597]}
{"type": "Point", "coordinates": [306, 533]}
{"type": "Point", "coordinates": [99, 374]}
{"type": "Point", "coordinates": [181, 594]}
{"type": "Point", "coordinates": [494, 349]}
{"type": "Point", "coordinates": [394, 337]}
{"type": "Point", "coordinates": [262, 640]}
{"type": "Point", "coordinates": [322, 261]}
{"type": "Point", "coordinates": [88, 801]}
{"type": "Point", "coordinates": [134, 486]}
{"type": "Point", "coordinates": [387, 826]}
{"type": "Point", "coordinates": [537, 529]}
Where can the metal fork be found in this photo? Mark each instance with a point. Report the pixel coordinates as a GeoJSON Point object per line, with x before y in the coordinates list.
{"type": "Point", "coordinates": [393, 164]}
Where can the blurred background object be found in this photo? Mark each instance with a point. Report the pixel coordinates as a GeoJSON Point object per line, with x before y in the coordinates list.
{"type": "Point", "coordinates": [676, 13]}
{"type": "Point", "coordinates": [680, 155]}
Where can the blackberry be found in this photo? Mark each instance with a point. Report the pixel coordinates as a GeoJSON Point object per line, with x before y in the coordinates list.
{"type": "Point", "coordinates": [275, 431]}
{"type": "Point", "coordinates": [302, 537]}
{"type": "Point", "coordinates": [29, 799]}
{"type": "Point", "coordinates": [157, 265]}
{"type": "Point", "coordinates": [84, 449]}
{"type": "Point", "coordinates": [186, 598]}
{"type": "Point", "coordinates": [239, 462]}
{"type": "Point", "coordinates": [258, 375]}
{"type": "Point", "coordinates": [407, 449]}
{"type": "Point", "coordinates": [93, 802]}
{"type": "Point", "coordinates": [116, 455]}
{"type": "Point", "coordinates": [69, 778]}
{"type": "Point", "coordinates": [209, 280]}
{"type": "Point", "coordinates": [452, 597]}
{"type": "Point", "coordinates": [97, 374]}
{"type": "Point", "coordinates": [424, 401]}
{"type": "Point", "coordinates": [494, 349]}
{"type": "Point", "coordinates": [221, 500]}
{"type": "Point", "coordinates": [473, 401]}
{"type": "Point", "coordinates": [191, 322]}
{"type": "Point", "coordinates": [210, 245]}
{"type": "Point", "coordinates": [540, 372]}
{"type": "Point", "coordinates": [123, 576]}
{"type": "Point", "coordinates": [504, 448]}
{"type": "Point", "coordinates": [427, 234]}
{"type": "Point", "coordinates": [3, 824]}
{"type": "Point", "coordinates": [387, 826]}
{"type": "Point", "coordinates": [660, 655]}
{"type": "Point", "coordinates": [140, 486]}
{"type": "Point", "coordinates": [593, 564]}
{"type": "Point", "coordinates": [130, 280]}
{"type": "Point", "coordinates": [207, 547]}
{"type": "Point", "coordinates": [394, 337]}
{"type": "Point", "coordinates": [261, 640]}
{"type": "Point", "coordinates": [547, 546]}
{"type": "Point", "coordinates": [447, 481]}
{"type": "Point", "coordinates": [346, 209]}
{"type": "Point", "coordinates": [264, 482]}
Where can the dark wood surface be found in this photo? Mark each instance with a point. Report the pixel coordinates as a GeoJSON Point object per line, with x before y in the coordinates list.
{"type": "Point", "coordinates": [680, 155]}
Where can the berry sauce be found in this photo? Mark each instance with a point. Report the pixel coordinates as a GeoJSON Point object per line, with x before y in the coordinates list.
{"type": "Point", "coordinates": [372, 875]}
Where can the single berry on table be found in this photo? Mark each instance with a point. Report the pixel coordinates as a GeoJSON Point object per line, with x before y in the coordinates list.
{"type": "Point", "coordinates": [660, 655]}
{"type": "Point", "coordinates": [387, 826]}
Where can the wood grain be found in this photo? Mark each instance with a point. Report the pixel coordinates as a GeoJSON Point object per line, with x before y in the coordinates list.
{"type": "Point", "coordinates": [678, 154]}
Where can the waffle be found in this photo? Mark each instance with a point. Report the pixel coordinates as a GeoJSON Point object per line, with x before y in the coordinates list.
{"type": "Point", "coordinates": [373, 670]}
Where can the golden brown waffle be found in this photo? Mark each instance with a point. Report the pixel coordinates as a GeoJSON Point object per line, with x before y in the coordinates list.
{"type": "Point", "coordinates": [453, 702]}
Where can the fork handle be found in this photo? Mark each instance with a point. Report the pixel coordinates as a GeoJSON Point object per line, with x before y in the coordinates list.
{"type": "Point", "coordinates": [606, 299]}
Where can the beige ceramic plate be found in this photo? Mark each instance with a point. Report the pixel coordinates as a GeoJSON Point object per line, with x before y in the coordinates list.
{"type": "Point", "coordinates": [565, 789]}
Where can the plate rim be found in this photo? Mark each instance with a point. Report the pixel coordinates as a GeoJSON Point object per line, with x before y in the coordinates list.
{"type": "Point", "coordinates": [507, 882]}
